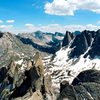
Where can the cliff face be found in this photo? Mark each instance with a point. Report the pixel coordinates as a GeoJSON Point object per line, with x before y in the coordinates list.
{"type": "Point", "coordinates": [25, 79]}
{"type": "Point", "coordinates": [85, 86]}
{"type": "Point", "coordinates": [86, 41]}
{"type": "Point", "coordinates": [67, 39]}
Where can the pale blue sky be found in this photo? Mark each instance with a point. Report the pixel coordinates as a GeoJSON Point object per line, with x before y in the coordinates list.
{"type": "Point", "coordinates": [24, 12]}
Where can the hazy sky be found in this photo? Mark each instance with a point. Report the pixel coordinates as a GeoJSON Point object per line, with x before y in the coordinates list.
{"type": "Point", "coordinates": [49, 15]}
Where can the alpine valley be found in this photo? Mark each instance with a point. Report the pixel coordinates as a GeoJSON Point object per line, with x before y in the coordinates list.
{"type": "Point", "coordinates": [50, 66]}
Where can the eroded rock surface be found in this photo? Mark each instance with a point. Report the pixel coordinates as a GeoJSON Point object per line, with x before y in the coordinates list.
{"type": "Point", "coordinates": [86, 86]}
{"type": "Point", "coordinates": [18, 83]}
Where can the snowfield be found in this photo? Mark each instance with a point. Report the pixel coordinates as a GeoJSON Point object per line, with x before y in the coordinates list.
{"type": "Point", "coordinates": [62, 68]}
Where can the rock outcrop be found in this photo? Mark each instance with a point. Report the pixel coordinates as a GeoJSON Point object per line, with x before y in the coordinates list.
{"type": "Point", "coordinates": [29, 83]}
{"type": "Point", "coordinates": [95, 48]}
{"type": "Point", "coordinates": [87, 43]}
{"type": "Point", "coordinates": [85, 86]}
{"type": "Point", "coordinates": [36, 95]}
{"type": "Point", "coordinates": [67, 39]}
{"type": "Point", "coordinates": [79, 46]}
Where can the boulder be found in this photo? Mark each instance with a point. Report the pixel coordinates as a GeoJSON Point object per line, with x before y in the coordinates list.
{"type": "Point", "coordinates": [87, 76]}
{"type": "Point", "coordinates": [85, 86]}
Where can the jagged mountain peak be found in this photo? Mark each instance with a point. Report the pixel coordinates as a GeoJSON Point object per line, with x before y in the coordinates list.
{"type": "Point", "coordinates": [79, 54]}
{"type": "Point", "coordinates": [67, 39]}
{"type": "Point", "coordinates": [86, 40]}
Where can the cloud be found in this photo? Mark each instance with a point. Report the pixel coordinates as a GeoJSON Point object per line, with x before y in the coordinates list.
{"type": "Point", "coordinates": [68, 7]}
{"type": "Point", "coordinates": [98, 22]}
{"type": "Point", "coordinates": [6, 26]}
{"type": "Point", "coordinates": [10, 21]}
{"type": "Point", "coordinates": [73, 28]}
{"type": "Point", "coordinates": [53, 28]}
{"type": "Point", "coordinates": [59, 28]}
{"type": "Point", "coordinates": [31, 27]}
{"type": "Point", "coordinates": [36, 6]}
{"type": "Point", "coordinates": [1, 21]}
{"type": "Point", "coordinates": [48, 28]}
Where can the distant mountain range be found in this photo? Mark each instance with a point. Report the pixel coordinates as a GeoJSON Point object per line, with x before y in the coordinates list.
{"type": "Point", "coordinates": [44, 42]}
{"type": "Point", "coordinates": [47, 43]}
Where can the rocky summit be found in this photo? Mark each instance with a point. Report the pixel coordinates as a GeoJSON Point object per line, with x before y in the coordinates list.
{"type": "Point", "coordinates": [50, 66]}
{"type": "Point", "coordinates": [19, 83]}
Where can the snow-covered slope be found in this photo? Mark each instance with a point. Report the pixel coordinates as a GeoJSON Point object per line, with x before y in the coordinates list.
{"type": "Point", "coordinates": [62, 68]}
{"type": "Point", "coordinates": [78, 55]}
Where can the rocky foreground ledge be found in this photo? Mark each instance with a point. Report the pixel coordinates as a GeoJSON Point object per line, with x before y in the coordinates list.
{"type": "Point", "coordinates": [26, 79]}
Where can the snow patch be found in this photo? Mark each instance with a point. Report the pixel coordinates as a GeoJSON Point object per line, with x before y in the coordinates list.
{"type": "Point", "coordinates": [62, 68]}
{"type": "Point", "coordinates": [19, 62]}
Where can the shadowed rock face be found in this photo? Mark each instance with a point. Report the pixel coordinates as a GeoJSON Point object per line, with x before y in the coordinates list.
{"type": "Point", "coordinates": [3, 72]}
{"type": "Point", "coordinates": [36, 73]}
{"type": "Point", "coordinates": [87, 76]}
{"type": "Point", "coordinates": [94, 51]}
{"type": "Point", "coordinates": [80, 45]}
{"type": "Point", "coordinates": [67, 39]}
{"type": "Point", "coordinates": [1, 34]}
{"type": "Point", "coordinates": [85, 86]}
{"type": "Point", "coordinates": [82, 42]}
{"type": "Point", "coordinates": [11, 79]}
{"type": "Point", "coordinates": [27, 84]}
{"type": "Point", "coordinates": [63, 85]}
{"type": "Point", "coordinates": [88, 35]}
